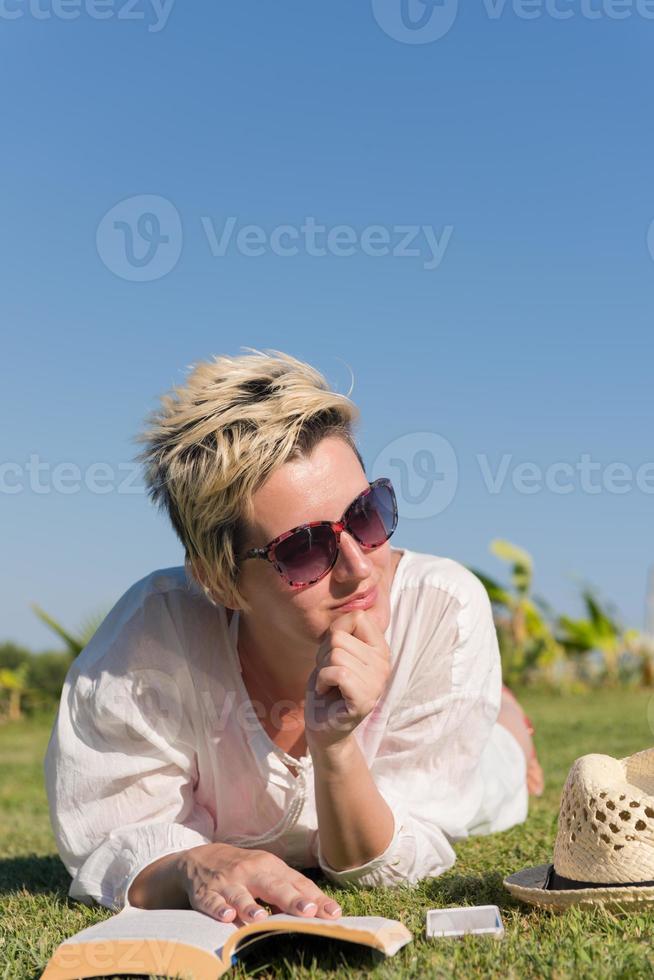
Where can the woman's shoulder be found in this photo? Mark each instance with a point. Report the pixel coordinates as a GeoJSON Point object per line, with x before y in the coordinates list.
{"type": "Point", "coordinates": [425, 571]}
{"type": "Point", "coordinates": [442, 618]}
{"type": "Point", "coordinates": [151, 617]}
{"type": "Point", "coordinates": [164, 590]}
{"type": "Point", "coordinates": [162, 581]}
{"type": "Point", "coordinates": [135, 666]}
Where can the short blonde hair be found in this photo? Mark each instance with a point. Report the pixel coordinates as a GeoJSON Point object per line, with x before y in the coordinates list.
{"type": "Point", "coordinates": [217, 438]}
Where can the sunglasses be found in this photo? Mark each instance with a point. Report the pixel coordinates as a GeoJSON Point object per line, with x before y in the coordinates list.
{"type": "Point", "coordinates": [307, 552]}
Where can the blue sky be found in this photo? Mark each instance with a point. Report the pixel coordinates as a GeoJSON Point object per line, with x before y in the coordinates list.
{"type": "Point", "coordinates": [510, 157]}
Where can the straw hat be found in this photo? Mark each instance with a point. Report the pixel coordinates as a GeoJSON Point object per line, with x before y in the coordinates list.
{"type": "Point", "coordinates": [604, 848]}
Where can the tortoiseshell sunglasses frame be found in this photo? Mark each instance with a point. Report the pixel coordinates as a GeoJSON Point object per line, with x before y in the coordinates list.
{"type": "Point", "coordinates": [267, 552]}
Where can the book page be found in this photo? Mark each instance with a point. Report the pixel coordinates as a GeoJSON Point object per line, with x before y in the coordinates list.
{"type": "Point", "coordinates": [387, 935]}
{"type": "Point", "coordinates": [175, 925]}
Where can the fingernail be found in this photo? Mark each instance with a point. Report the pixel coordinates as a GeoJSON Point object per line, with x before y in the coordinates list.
{"type": "Point", "coordinates": [224, 912]}
{"type": "Point", "coordinates": [257, 913]}
{"type": "Point", "coordinates": [332, 908]}
{"type": "Point", "coordinates": [305, 906]}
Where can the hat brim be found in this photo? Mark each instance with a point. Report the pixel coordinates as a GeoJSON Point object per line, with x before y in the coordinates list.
{"type": "Point", "coordinates": [529, 886]}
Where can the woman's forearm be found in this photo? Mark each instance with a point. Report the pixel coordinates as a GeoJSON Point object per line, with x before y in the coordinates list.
{"type": "Point", "coordinates": [354, 821]}
{"type": "Point", "coordinates": [159, 885]}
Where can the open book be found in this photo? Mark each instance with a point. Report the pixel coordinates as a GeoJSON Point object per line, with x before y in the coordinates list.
{"type": "Point", "coordinates": [186, 943]}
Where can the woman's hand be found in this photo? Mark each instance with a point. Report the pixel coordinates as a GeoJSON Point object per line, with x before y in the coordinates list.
{"type": "Point", "coordinates": [352, 669]}
{"type": "Point", "coordinates": [223, 881]}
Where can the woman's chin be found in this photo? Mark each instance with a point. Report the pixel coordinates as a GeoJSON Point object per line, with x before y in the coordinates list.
{"type": "Point", "coordinates": [379, 612]}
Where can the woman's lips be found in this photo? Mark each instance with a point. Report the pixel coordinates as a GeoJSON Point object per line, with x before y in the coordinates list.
{"type": "Point", "coordinates": [365, 603]}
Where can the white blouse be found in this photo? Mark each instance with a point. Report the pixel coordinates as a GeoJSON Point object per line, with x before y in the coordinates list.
{"type": "Point", "coordinates": [157, 747]}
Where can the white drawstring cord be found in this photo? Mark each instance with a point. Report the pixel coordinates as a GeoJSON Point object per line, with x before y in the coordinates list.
{"type": "Point", "coordinates": [287, 821]}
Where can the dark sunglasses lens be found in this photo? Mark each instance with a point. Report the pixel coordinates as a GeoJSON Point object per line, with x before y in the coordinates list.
{"type": "Point", "coordinates": [373, 518]}
{"type": "Point", "coordinates": [307, 554]}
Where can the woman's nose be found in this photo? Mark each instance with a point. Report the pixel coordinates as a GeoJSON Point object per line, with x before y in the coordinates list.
{"type": "Point", "coordinates": [352, 562]}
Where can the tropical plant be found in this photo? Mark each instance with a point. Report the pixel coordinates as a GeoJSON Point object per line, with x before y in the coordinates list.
{"type": "Point", "coordinates": [600, 632]}
{"type": "Point", "coordinates": [47, 672]}
{"type": "Point", "coordinates": [30, 681]}
{"type": "Point", "coordinates": [527, 643]}
{"type": "Point", "coordinates": [75, 642]}
{"type": "Point", "coordinates": [641, 648]}
{"type": "Point", "coordinates": [13, 684]}
{"type": "Point", "coordinates": [12, 655]}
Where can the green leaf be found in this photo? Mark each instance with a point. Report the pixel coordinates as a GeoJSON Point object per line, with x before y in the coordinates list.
{"type": "Point", "coordinates": [511, 552]}
{"type": "Point", "coordinates": [496, 592]}
{"type": "Point", "coordinates": [73, 644]}
{"type": "Point", "coordinates": [522, 565]}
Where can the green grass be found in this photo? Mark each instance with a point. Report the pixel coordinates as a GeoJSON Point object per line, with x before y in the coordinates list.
{"type": "Point", "coordinates": [36, 914]}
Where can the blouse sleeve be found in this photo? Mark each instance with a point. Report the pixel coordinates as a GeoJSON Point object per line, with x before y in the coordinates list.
{"type": "Point", "coordinates": [435, 766]}
{"type": "Point", "coordinates": [120, 766]}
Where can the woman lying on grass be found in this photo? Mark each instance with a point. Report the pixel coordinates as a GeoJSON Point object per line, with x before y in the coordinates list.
{"type": "Point", "coordinates": [299, 694]}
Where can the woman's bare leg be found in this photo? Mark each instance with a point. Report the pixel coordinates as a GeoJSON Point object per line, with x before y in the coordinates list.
{"type": "Point", "coordinates": [511, 716]}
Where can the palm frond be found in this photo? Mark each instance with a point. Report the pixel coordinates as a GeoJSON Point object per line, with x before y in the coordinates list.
{"type": "Point", "coordinates": [74, 641]}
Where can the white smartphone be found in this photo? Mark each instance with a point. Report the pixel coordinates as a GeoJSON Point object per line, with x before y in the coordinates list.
{"type": "Point", "coordinates": [477, 920]}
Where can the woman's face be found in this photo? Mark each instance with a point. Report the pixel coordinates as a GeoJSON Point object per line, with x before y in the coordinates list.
{"type": "Point", "coordinates": [318, 488]}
